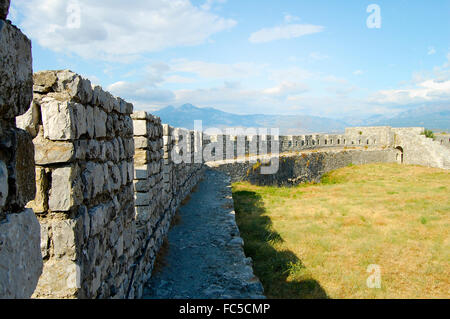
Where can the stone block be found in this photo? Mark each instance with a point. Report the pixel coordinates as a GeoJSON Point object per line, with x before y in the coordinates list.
{"type": "Point", "coordinates": [80, 118]}
{"type": "Point", "coordinates": [61, 278]}
{"type": "Point", "coordinates": [141, 157]}
{"type": "Point", "coordinates": [16, 74]}
{"type": "Point", "coordinates": [90, 121]}
{"type": "Point", "coordinates": [79, 89]}
{"type": "Point", "coordinates": [44, 81]}
{"type": "Point", "coordinates": [66, 189]}
{"type": "Point", "coordinates": [97, 219]}
{"type": "Point", "coordinates": [140, 127]}
{"type": "Point", "coordinates": [139, 115]}
{"type": "Point", "coordinates": [141, 199]}
{"type": "Point", "coordinates": [52, 152]}
{"type": "Point", "coordinates": [141, 172]}
{"type": "Point", "coordinates": [30, 120]}
{"type": "Point", "coordinates": [20, 255]}
{"type": "Point", "coordinates": [100, 118]}
{"type": "Point", "coordinates": [141, 185]}
{"type": "Point", "coordinates": [58, 120]}
{"type": "Point", "coordinates": [66, 234]}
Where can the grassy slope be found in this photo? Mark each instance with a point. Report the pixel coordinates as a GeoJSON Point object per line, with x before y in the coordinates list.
{"type": "Point", "coordinates": [316, 241]}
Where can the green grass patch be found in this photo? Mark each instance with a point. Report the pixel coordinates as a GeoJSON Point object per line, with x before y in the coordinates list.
{"type": "Point", "coordinates": [316, 240]}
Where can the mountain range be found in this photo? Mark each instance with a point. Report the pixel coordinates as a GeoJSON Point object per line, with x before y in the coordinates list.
{"type": "Point", "coordinates": [435, 118]}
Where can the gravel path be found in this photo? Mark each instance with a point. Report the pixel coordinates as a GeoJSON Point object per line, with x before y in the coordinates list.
{"type": "Point", "coordinates": [205, 257]}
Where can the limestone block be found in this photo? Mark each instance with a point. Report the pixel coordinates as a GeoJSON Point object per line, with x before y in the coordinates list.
{"type": "Point", "coordinates": [3, 184]}
{"type": "Point", "coordinates": [52, 152]}
{"type": "Point", "coordinates": [44, 81]}
{"type": "Point", "coordinates": [94, 150]}
{"type": "Point", "coordinates": [66, 235]}
{"type": "Point", "coordinates": [141, 185]}
{"type": "Point", "coordinates": [141, 199]}
{"type": "Point", "coordinates": [93, 178]}
{"type": "Point", "coordinates": [140, 127]}
{"type": "Point", "coordinates": [141, 157]}
{"type": "Point", "coordinates": [78, 88]}
{"type": "Point", "coordinates": [127, 126]}
{"type": "Point", "coordinates": [40, 202]}
{"type": "Point", "coordinates": [139, 115]}
{"type": "Point", "coordinates": [100, 98]}
{"type": "Point", "coordinates": [20, 255]}
{"type": "Point", "coordinates": [16, 75]}
{"type": "Point", "coordinates": [90, 120]}
{"type": "Point", "coordinates": [30, 120]}
{"type": "Point", "coordinates": [115, 103]}
{"type": "Point", "coordinates": [80, 118]}
{"type": "Point", "coordinates": [61, 278]}
{"type": "Point", "coordinates": [58, 120]}
{"type": "Point", "coordinates": [4, 8]}
{"type": "Point", "coordinates": [66, 189]}
{"type": "Point", "coordinates": [100, 118]}
{"type": "Point", "coordinates": [141, 172]}
{"type": "Point", "coordinates": [97, 219]}
{"type": "Point", "coordinates": [128, 145]}
{"type": "Point", "coordinates": [115, 176]}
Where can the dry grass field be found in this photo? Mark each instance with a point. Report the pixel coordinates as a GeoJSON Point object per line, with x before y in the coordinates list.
{"type": "Point", "coordinates": [317, 240]}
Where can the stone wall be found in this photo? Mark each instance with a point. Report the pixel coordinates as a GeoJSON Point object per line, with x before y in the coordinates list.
{"type": "Point", "coordinates": [165, 174]}
{"type": "Point", "coordinates": [299, 168]}
{"type": "Point", "coordinates": [417, 149]}
{"type": "Point", "coordinates": [148, 195]}
{"type": "Point", "coordinates": [20, 259]}
{"type": "Point", "coordinates": [83, 140]}
{"type": "Point", "coordinates": [442, 139]}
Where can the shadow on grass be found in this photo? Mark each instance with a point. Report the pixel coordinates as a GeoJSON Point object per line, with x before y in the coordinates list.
{"type": "Point", "coordinates": [273, 267]}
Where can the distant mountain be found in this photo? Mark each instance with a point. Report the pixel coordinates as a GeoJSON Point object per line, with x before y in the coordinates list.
{"type": "Point", "coordinates": [185, 115]}
{"type": "Point", "coordinates": [431, 117]}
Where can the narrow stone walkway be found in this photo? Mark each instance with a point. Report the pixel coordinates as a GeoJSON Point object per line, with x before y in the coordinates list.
{"type": "Point", "coordinates": [205, 258]}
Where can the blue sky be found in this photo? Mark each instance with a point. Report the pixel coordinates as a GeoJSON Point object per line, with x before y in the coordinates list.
{"type": "Point", "coordinates": [245, 56]}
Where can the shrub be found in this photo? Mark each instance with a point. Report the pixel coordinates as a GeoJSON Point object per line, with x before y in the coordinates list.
{"type": "Point", "coordinates": [428, 133]}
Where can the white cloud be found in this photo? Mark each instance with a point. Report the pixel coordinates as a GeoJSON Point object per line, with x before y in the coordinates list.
{"type": "Point", "coordinates": [431, 51]}
{"type": "Point", "coordinates": [288, 31]}
{"type": "Point", "coordinates": [318, 56]}
{"type": "Point", "coordinates": [428, 91]}
{"type": "Point", "coordinates": [141, 92]}
{"type": "Point", "coordinates": [358, 72]}
{"type": "Point", "coordinates": [287, 88]}
{"type": "Point", "coordinates": [290, 18]}
{"type": "Point", "coordinates": [118, 30]}
{"type": "Point", "coordinates": [209, 70]}
{"type": "Point", "coordinates": [209, 4]}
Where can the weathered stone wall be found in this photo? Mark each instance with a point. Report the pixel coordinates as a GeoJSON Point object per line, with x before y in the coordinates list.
{"type": "Point", "coordinates": [298, 168]}
{"type": "Point", "coordinates": [20, 259]}
{"type": "Point", "coordinates": [148, 195]}
{"type": "Point", "coordinates": [442, 139]}
{"type": "Point", "coordinates": [83, 139]}
{"type": "Point", "coordinates": [165, 174]}
{"type": "Point", "coordinates": [417, 149]}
